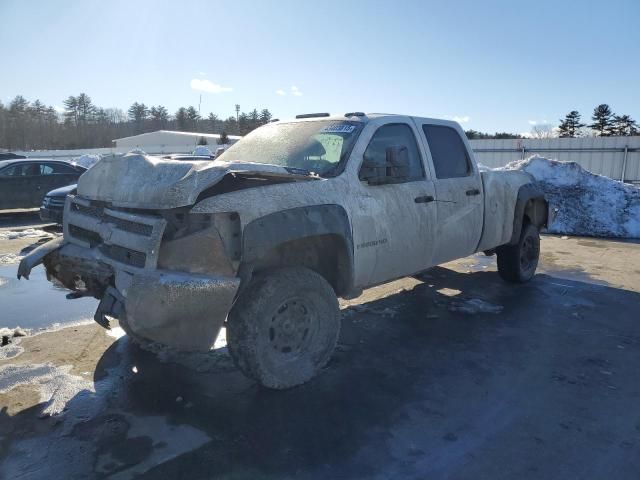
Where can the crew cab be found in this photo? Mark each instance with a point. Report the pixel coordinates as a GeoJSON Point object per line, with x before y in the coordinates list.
{"type": "Point", "coordinates": [266, 237]}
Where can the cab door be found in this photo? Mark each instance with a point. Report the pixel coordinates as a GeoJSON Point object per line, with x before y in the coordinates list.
{"type": "Point", "coordinates": [459, 195]}
{"type": "Point", "coordinates": [392, 223]}
{"type": "Point", "coordinates": [17, 185]}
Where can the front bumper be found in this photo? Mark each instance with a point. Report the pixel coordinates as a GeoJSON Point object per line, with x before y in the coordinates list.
{"type": "Point", "coordinates": [51, 215]}
{"type": "Point", "coordinates": [182, 310]}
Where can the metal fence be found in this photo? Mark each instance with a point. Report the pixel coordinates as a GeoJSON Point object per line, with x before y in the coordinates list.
{"type": "Point", "coordinates": [614, 157]}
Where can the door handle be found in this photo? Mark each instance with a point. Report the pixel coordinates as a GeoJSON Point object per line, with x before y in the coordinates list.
{"type": "Point", "coordinates": [424, 199]}
{"type": "Point", "coordinates": [473, 191]}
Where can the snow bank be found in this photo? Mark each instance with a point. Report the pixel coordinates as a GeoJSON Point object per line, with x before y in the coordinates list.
{"type": "Point", "coordinates": [584, 203]}
{"type": "Point", "coordinates": [26, 233]}
{"type": "Point", "coordinates": [202, 151]}
{"type": "Point", "coordinates": [87, 161]}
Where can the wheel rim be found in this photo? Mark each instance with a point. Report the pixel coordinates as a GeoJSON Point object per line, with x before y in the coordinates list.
{"type": "Point", "coordinates": [291, 328]}
{"type": "Point", "coordinates": [528, 254]}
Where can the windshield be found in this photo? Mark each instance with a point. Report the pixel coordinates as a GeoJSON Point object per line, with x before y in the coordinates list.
{"type": "Point", "coordinates": [316, 146]}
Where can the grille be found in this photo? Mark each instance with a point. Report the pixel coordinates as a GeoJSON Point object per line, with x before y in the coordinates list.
{"type": "Point", "coordinates": [55, 202]}
{"type": "Point", "coordinates": [92, 238]}
{"type": "Point", "coordinates": [91, 211]}
{"type": "Point", "coordinates": [129, 226]}
{"type": "Point", "coordinates": [127, 237]}
{"type": "Point", "coordinates": [124, 255]}
{"type": "Point", "coordinates": [122, 224]}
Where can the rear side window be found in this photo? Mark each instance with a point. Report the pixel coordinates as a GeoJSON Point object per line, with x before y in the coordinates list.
{"type": "Point", "coordinates": [52, 168]}
{"type": "Point", "coordinates": [448, 152]}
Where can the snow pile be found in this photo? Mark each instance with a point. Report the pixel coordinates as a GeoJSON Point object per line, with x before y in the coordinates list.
{"type": "Point", "coordinates": [8, 259]}
{"type": "Point", "coordinates": [26, 233]}
{"type": "Point", "coordinates": [56, 385]}
{"type": "Point", "coordinates": [87, 161]}
{"type": "Point", "coordinates": [584, 203]}
{"type": "Point", "coordinates": [202, 151]}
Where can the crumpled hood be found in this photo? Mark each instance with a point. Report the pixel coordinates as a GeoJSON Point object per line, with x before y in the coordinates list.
{"type": "Point", "coordinates": [143, 181]}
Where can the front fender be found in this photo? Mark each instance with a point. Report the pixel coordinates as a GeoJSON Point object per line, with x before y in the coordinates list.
{"type": "Point", "coordinates": [267, 233]}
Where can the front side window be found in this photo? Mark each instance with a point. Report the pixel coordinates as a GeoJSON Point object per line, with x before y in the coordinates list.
{"type": "Point", "coordinates": [396, 134]}
{"type": "Point", "coordinates": [22, 170]}
{"type": "Point", "coordinates": [11, 171]}
{"type": "Point", "coordinates": [450, 158]}
{"type": "Point", "coordinates": [320, 147]}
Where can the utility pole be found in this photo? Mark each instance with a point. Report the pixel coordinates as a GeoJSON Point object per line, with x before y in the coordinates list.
{"type": "Point", "coordinates": [237, 112]}
{"type": "Point", "coordinates": [199, 103]}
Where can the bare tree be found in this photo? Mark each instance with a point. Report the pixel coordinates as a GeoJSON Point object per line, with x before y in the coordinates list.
{"type": "Point", "coordinates": [543, 130]}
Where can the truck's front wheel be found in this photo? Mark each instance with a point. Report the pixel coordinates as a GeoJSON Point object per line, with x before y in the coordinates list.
{"type": "Point", "coordinates": [284, 327]}
{"type": "Point", "coordinates": [517, 263]}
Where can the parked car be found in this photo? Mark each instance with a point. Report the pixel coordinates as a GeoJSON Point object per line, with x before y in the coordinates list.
{"type": "Point", "coordinates": [52, 207]}
{"type": "Point", "coordinates": [10, 156]}
{"type": "Point", "coordinates": [187, 157]}
{"type": "Point", "coordinates": [299, 213]}
{"type": "Point", "coordinates": [25, 182]}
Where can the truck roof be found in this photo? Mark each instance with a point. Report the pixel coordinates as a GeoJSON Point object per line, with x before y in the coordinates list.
{"type": "Point", "coordinates": [364, 118]}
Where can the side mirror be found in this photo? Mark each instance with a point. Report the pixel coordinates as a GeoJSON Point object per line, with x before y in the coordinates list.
{"type": "Point", "coordinates": [393, 169]}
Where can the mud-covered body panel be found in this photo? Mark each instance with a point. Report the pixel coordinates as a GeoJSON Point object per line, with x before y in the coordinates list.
{"type": "Point", "coordinates": [500, 198]}
{"type": "Point", "coordinates": [165, 243]}
{"type": "Point", "coordinates": [144, 181]}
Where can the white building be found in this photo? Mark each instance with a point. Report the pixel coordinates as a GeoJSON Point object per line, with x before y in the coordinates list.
{"type": "Point", "coordinates": [169, 141]}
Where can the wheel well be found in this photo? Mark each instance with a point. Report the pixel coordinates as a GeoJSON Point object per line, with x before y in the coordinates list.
{"type": "Point", "coordinates": [531, 207]}
{"type": "Point", "coordinates": [535, 212]}
{"type": "Point", "coordinates": [328, 255]}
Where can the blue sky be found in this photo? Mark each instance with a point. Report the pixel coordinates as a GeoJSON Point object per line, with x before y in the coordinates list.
{"type": "Point", "coordinates": [496, 65]}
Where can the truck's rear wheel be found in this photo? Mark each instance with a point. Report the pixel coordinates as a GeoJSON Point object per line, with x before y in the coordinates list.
{"type": "Point", "coordinates": [284, 327]}
{"type": "Point", "coordinates": [517, 263]}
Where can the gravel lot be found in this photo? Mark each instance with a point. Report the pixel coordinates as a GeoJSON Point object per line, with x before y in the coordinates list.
{"type": "Point", "coordinates": [456, 375]}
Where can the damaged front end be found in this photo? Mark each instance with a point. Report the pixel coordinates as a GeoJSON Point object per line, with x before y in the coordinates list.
{"type": "Point", "coordinates": [168, 276]}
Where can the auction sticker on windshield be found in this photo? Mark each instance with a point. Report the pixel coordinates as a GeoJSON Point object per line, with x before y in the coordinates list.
{"type": "Point", "coordinates": [339, 128]}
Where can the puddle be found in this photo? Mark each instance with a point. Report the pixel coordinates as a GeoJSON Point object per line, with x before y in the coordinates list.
{"type": "Point", "coordinates": [36, 303]}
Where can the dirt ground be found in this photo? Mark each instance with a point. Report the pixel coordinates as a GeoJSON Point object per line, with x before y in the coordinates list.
{"type": "Point", "coordinates": [456, 375]}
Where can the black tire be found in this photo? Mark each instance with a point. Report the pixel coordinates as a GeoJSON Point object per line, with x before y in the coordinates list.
{"type": "Point", "coordinates": [517, 263]}
{"type": "Point", "coordinates": [284, 327]}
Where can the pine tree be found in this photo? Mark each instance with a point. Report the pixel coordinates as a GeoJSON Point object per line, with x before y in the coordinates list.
{"type": "Point", "coordinates": [71, 110]}
{"type": "Point", "coordinates": [138, 113]}
{"type": "Point", "coordinates": [86, 109]}
{"type": "Point", "coordinates": [570, 126]}
{"type": "Point", "coordinates": [624, 125]}
{"type": "Point", "coordinates": [231, 125]}
{"type": "Point", "coordinates": [159, 116]}
{"type": "Point", "coordinates": [265, 116]}
{"type": "Point", "coordinates": [602, 120]}
{"type": "Point", "coordinates": [193, 116]}
{"type": "Point", "coordinates": [253, 120]}
{"type": "Point", "coordinates": [243, 124]}
{"type": "Point", "coordinates": [213, 122]}
{"type": "Point", "coordinates": [182, 119]}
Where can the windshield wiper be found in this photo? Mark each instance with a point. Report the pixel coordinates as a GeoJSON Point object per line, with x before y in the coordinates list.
{"type": "Point", "coordinates": [301, 171]}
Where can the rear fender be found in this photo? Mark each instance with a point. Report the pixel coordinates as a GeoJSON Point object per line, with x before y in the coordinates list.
{"type": "Point", "coordinates": [532, 205]}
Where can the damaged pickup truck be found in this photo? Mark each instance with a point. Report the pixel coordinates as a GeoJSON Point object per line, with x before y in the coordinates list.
{"type": "Point", "coordinates": [266, 237]}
